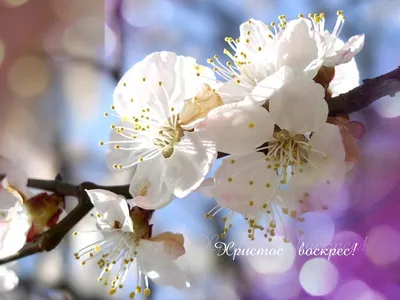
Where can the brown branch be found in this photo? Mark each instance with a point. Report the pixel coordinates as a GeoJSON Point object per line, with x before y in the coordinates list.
{"type": "Point", "coordinates": [352, 101]}
{"type": "Point", "coordinates": [371, 90]}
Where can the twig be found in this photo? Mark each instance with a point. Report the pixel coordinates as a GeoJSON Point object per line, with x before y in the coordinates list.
{"type": "Point", "coordinates": [371, 90]}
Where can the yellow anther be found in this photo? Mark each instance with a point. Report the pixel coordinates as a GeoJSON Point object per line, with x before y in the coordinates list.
{"type": "Point", "coordinates": [251, 182]}
{"type": "Point", "coordinates": [230, 179]}
{"type": "Point", "coordinates": [232, 161]}
{"type": "Point", "coordinates": [83, 263]}
{"type": "Point", "coordinates": [124, 84]}
{"type": "Point", "coordinates": [300, 15]}
{"type": "Point", "coordinates": [273, 24]}
{"type": "Point", "coordinates": [259, 48]}
{"type": "Point", "coordinates": [132, 295]}
{"type": "Point", "coordinates": [117, 147]}
{"type": "Point", "coordinates": [267, 185]}
{"type": "Point", "coordinates": [322, 15]}
{"type": "Point", "coordinates": [160, 83]}
{"type": "Point", "coordinates": [138, 290]}
{"type": "Point", "coordinates": [144, 79]}
{"type": "Point", "coordinates": [237, 81]}
{"type": "Point", "coordinates": [112, 291]}
{"type": "Point", "coordinates": [75, 233]}
{"type": "Point", "coordinates": [210, 60]}
{"type": "Point", "coordinates": [251, 125]}
{"type": "Point", "coordinates": [97, 248]}
{"type": "Point", "coordinates": [285, 210]}
{"type": "Point", "coordinates": [112, 107]}
{"type": "Point", "coordinates": [248, 32]}
{"type": "Point", "coordinates": [101, 143]}
{"type": "Point", "coordinates": [251, 203]}
{"type": "Point", "coordinates": [105, 114]}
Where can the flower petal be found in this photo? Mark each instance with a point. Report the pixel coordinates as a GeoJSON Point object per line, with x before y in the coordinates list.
{"type": "Point", "coordinates": [239, 128]}
{"type": "Point", "coordinates": [266, 88]}
{"type": "Point", "coordinates": [299, 106]}
{"type": "Point", "coordinates": [232, 92]}
{"type": "Point", "coordinates": [161, 81]}
{"type": "Point", "coordinates": [327, 168]}
{"type": "Point", "coordinates": [244, 183]}
{"type": "Point", "coordinates": [158, 265]}
{"type": "Point", "coordinates": [148, 186]}
{"type": "Point", "coordinates": [190, 162]}
{"type": "Point", "coordinates": [113, 210]}
{"type": "Point", "coordinates": [14, 230]}
{"type": "Point", "coordinates": [173, 243]}
{"type": "Point", "coordinates": [346, 78]}
{"type": "Point", "coordinates": [16, 177]}
{"type": "Point", "coordinates": [350, 49]}
{"type": "Point", "coordinates": [296, 47]}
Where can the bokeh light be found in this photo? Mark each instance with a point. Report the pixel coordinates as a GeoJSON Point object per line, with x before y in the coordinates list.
{"type": "Point", "coordinates": [265, 264]}
{"type": "Point", "coordinates": [383, 245]}
{"type": "Point", "coordinates": [318, 277]}
{"type": "Point", "coordinates": [356, 289]}
{"type": "Point", "coordinates": [29, 76]}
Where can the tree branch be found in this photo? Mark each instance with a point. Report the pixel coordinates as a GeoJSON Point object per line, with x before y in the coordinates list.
{"type": "Point", "coordinates": [371, 90]}
{"type": "Point", "coordinates": [344, 104]}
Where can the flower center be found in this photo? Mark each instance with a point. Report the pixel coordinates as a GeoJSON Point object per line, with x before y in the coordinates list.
{"type": "Point", "coordinates": [168, 137]}
{"type": "Point", "coordinates": [289, 153]}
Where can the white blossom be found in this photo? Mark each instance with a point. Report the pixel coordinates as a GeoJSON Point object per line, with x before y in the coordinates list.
{"type": "Point", "coordinates": [160, 100]}
{"type": "Point", "coordinates": [15, 221]}
{"type": "Point", "coordinates": [261, 52]}
{"type": "Point", "coordinates": [332, 51]}
{"type": "Point", "coordinates": [302, 157]}
{"type": "Point", "coordinates": [127, 241]}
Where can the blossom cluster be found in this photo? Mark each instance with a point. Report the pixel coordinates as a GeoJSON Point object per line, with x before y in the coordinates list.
{"type": "Point", "coordinates": [266, 107]}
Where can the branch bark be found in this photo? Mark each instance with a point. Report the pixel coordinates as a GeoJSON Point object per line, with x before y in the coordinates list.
{"type": "Point", "coordinates": [344, 104]}
{"type": "Point", "coordinates": [371, 90]}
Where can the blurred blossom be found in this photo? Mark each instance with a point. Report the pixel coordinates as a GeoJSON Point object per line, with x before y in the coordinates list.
{"type": "Point", "coordinates": [318, 277]}
{"type": "Point", "coordinates": [388, 107]}
{"type": "Point", "coordinates": [383, 245]}
{"type": "Point", "coordinates": [14, 3]}
{"type": "Point", "coordinates": [29, 76]}
{"type": "Point", "coordinates": [318, 230]}
{"type": "Point", "coordinates": [8, 279]}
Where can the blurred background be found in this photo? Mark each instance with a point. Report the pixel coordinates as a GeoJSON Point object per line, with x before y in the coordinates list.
{"type": "Point", "coordinates": [59, 63]}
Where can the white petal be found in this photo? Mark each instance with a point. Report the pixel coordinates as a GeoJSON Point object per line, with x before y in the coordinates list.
{"type": "Point", "coordinates": [299, 106]}
{"type": "Point", "coordinates": [232, 92]}
{"type": "Point", "coordinates": [13, 231]}
{"type": "Point", "coordinates": [245, 179]}
{"type": "Point", "coordinates": [257, 34]}
{"type": "Point", "coordinates": [148, 185]}
{"type": "Point", "coordinates": [190, 162]}
{"type": "Point", "coordinates": [8, 279]}
{"type": "Point", "coordinates": [353, 46]}
{"type": "Point", "coordinates": [239, 128]}
{"type": "Point", "coordinates": [173, 243]}
{"type": "Point", "coordinates": [140, 87]}
{"type": "Point", "coordinates": [158, 265]}
{"type": "Point", "coordinates": [266, 88]}
{"type": "Point", "coordinates": [327, 168]}
{"type": "Point", "coordinates": [296, 47]}
{"type": "Point", "coordinates": [112, 208]}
